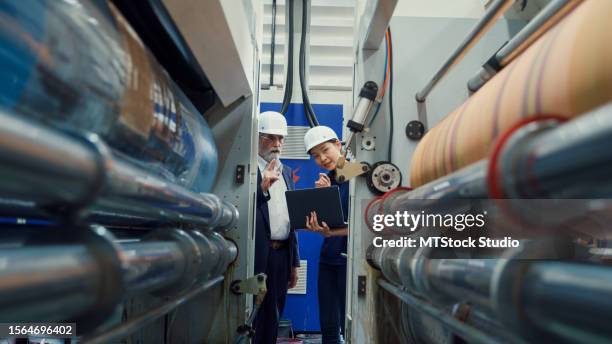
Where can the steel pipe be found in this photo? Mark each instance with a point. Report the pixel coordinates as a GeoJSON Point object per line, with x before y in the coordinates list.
{"type": "Point", "coordinates": [92, 268]}
{"type": "Point", "coordinates": [42, 166]}
{"type": "Point", "coordinates": [461, 279]}
{"type": "Point", "coordinates": [120, 331]}
{"type": "Point", "coordinates": [542, 22]}
{"type": "Point", "coordinates": [554, 300]}
{"type": "Point", "coordinates": [419, 327]}
{"type": "Point", "coordinates": [80, 67]}
{"type": "Point", "coordinates": [439, 275]}
{"type": "Point", "coordinates": [151, 265]}
{"type": "Point", "coordinates": [484, 74]}
{"type": "Point", "coordinates": [182, 256]}
{"type": "Point", "coordinates": [272, 44]}
{"type": "Point", "coordinates": [573, 301]}
{"type": "Point", "coordinates": [440, 279]}
{"type": "Point", "coordinates": [539, 299]}
{"type": "Point", "coordinates": [539, 159]}
{"type": "Point", "coordinates": [468, 182]}
{"type": "Point", "coordinates": [52, 170]}
{"type": "Point", "coordinates": [470, 334]}
{"type": "Point", "coordinates": [572, 160]}
{"type": "Point", "coordinates": [42, 283]}
{"type": "Point", "coordinates": [449, 194]}
{"type": "Point", "coordinates": [495, 10]}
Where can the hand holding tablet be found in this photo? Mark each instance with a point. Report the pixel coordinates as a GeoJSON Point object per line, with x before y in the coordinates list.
{"type": "Point", "coordinates": [325, 201]}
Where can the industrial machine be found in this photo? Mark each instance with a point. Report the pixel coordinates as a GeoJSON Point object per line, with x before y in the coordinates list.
{"type": "Point", "coordinates": [115, 130]}
{"type": "Point", "coordinates": [525, 147]}
{"type": "Point", "coordinates": [128, 169]}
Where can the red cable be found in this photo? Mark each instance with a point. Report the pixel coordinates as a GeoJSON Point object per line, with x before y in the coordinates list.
{"type": "Point", "coordinates": [388, 70]}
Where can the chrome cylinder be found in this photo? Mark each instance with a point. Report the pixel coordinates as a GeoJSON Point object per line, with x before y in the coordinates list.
{"type": "Point", "coordinates": [443, 280]}
{"type": "Point", "coordinates": [78, 66]}
{"type": "Point", "coordinates": [573, 301]}
{"type": "Point", "coordinates": [572, 160]}
{"type": "Point", "coordinates": [42, 166]}
{"type": "Point", "coordinates": [451, 194]}
{"type": "Point", "coordinates": [545, 19]}
{"type": "Point", "coordinates": [494, 11]}
{"type": "Point", "coordinates": [538, 299]}
{"type": "Point", "coordinates": [47, 283]}
{"type": "Point", "coordinates": [555, 301]}
{"type": "Point", "coordinates": [151, 265]}
{"type": "Point", "coordinates": [55, 172]}
{"type": "Point", "coordinates": [87, 278]}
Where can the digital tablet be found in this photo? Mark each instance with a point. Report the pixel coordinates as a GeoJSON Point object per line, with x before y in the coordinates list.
{"type": "Point", "coordinates": [325, 201]}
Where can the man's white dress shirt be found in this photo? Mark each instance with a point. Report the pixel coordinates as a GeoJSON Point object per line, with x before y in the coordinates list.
{"type": "Point", "coordinates": [277, 205]}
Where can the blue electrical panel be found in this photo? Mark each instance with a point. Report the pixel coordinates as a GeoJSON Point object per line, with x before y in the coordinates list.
{"type": "Point", "coordinates": [303, 310]}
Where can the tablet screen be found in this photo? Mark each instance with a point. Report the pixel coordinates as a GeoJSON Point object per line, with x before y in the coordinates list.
{"type": "Point", "coordinates": [325, 201]}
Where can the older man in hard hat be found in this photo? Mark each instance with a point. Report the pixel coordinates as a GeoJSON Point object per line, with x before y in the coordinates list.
{"type": "Point", "coordinates": [276, 249]}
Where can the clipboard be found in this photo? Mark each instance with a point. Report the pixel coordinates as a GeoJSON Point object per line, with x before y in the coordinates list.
{"type": "Point", "coordinates": [325, 201]}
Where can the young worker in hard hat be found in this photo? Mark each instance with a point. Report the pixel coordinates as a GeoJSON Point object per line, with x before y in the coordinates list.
{"type": "Point", "coordinates": [324, 147]}
{"type": "Point", "coordinates": [276, 247]}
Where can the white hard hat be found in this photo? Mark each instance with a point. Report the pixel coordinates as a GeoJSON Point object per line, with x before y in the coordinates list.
{"type": "Point", "coordinates": [317, 135]}
{"type": "Point", "coordinates": [273, 123]}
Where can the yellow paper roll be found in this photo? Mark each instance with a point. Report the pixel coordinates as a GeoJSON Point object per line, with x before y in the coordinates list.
{"type": "Point", "coordinates": [566, 72]}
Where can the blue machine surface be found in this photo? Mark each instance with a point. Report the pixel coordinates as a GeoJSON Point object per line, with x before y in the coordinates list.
{"type": "Point", "coordinates": [303, 310]}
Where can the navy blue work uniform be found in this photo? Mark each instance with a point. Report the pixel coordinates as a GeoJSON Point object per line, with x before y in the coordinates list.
{"type": "Point", "coordinates": [276, 262]}
{"type": "Point", "coordinates": [332, 277]}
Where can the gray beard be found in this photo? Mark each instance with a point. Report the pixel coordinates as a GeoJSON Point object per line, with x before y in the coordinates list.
{"type": "Point", "coordinates": [269, 156]}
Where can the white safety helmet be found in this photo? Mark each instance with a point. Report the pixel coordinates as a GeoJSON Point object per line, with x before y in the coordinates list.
{"type": "Point", "coordinates": [317, 135]}
{"type": "Point", "coordinates": [273, 123]}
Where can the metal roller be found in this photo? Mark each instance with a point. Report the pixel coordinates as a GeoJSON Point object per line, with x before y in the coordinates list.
{"type": "Point", "coordinates": [76, 279]}
{"type": "Point", "coordinates": [551, 163]}
{"type": "Point", "coordinates": [443, 195]}
{"type": "Point", "coordinates": [57, 173]}
{"type": "Point", "coordinates": [565, 73]}
{"type": "Point", "coordinates": [43, 282]}
{"type": "Point", "coordinates": [79, 66]}
{"type": "Point", "coordinates": [571, 301]}
{"type": "Point", "coordinates": [494, 10]}
{"type": "Point", "coordinates": [544, 20]}
{"type": "Point", "coordinates": [151, 265]}
{"type": "Point", "coordinates": [559, 300]}
{"type": "Point", "coordinates": [192, 262]}
{"type": "Point", "coordinates": [81, 277]}
{"type": "Point", "coordinates": [571, 160]}
{"type": "Point", "coordinates": [171, 261]}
